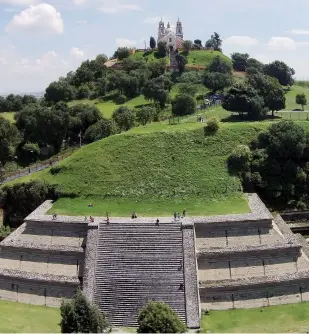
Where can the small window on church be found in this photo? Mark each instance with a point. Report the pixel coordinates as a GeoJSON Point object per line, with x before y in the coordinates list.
{"type": "Point", "coordinates": [170, 39]}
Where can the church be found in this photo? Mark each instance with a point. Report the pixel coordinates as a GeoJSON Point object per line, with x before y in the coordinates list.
{"type": "Point", "coordinates": [173, 40]}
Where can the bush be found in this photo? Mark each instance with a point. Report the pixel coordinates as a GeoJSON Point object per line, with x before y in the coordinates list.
{"type": "Point", "coordinates": [102, 129]}
{"type": "Point", "coordinates": [124, 118]}
{"type": "Point", "coordinates": [157, 317]}
{"type": "Point", "coordinates": [121, 99]}
{"type": "Point", "coordinates": [28, 153]}
{"type": "Point", "coordinates": [239, 160]}
{"type": "Point", "coordinates": [183, 104]}
{"type": "Point", "coordinates": [146, 114]}
{"type": "Point", "coordinates": [80, 316]}
{"type": "Point", "coordinates": [213, 125]}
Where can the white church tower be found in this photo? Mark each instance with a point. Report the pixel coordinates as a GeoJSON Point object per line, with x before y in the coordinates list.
{"type": "Point", "coordinates": [179, 31]}
{"type": "Point", "coordinates": [161, 31]}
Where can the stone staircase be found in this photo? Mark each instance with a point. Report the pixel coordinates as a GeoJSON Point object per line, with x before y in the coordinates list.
{"type": "Point", "coordinates": [138, 261]}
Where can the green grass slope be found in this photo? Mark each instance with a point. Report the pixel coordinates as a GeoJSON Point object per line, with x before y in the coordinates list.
{"type": "Point", "coordinates": [204, 57]}
{"type": "Point", "coordinates": [291, 97]}
{"type": "Point", "coordinates": [292, 318]}
{"type": "Point", "coordinates": [24, 318]}
{"type": "Point", "coordinates": [149, 56]}
{"type": "Point", "coordinates": [154, 170]}
{"type": "Point", "coordinates": [108, 107]}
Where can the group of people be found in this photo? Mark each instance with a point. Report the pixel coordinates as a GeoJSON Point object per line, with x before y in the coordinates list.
{"type": "Point", "coordinates": [177, 215]}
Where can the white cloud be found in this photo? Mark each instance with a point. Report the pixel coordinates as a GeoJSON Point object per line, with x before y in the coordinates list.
{"type": "Point", "coordinates": [19, 2]}
{"type": "Point", "coordinates": [114, 6]}
{"type": "Point", "coordinates": [241, 40]}
{"type": "Point", "coordinates": [77, 53]}
{"type": "Point", "coordinates": [281, 43]}
{"type": "Point", "coordinates": [40, 18]}
{"type": "Point", "coordinates": [79, 2]}
{"type": "Point", "coordinates": [153, 20]}
{"type": "Point", "coordinates": [123, 42]}
{"type": "Point", "coordinates": [299, 32]}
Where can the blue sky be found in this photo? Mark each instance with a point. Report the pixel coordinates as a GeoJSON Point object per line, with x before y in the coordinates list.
{"type": "Point", "coordinates": [40, 41]}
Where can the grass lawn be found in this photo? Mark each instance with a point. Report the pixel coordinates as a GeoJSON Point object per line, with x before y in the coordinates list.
{"type": "Point", "coordinates": [291, 96]}
{"type": "Point", "coordinates": [273, 319]}
{"type": "Point", "coordinates": [24, 318]}
{"type": "Point", "coordinates": [9, 116]}
{"type": "Point", "coordinates": [149, 56]}
{"type": "Point", "coordinates": [163, 208]}
{"type": "Point", "coordinates": [203, 57]}
{"type": "Point", "coordinates": [108, 107]}
{"type": "Point", "coordinates": [154, 170]}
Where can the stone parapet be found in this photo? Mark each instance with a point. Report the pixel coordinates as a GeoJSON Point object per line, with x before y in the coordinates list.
{"type": "Point", "coordinates": [190, 276]}
{"type": "Point", "coordinates": [90, 261]}
{"type": "Point", "coordinates": [247, 251]}
{"type": "Point", "coordinates": [254, 282]}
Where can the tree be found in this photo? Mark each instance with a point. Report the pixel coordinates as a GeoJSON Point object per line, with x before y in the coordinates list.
{"type": "Point", "coordinates": [187, 45]}
{"type": "Point", "coordinates": [59, 90]}
{"type": "Point", "coordinates": [83, 92]}
{"type": "Point", "coordinates": [101, 58]}
{"type": "Point", "coordinates": [183, 105]}
{"type": "Point", "coordinates": [214, 42]}
{"type": "Point", "coordinates": [124, 118]}
{"type": "Point", "coordinates": [301, 99]}
{"type": "Point", "coordinates": [145, 115]}
{"type": "Point", "coordinates": [279, 167]}
{"type": "Point", "coordinates": [157, 89]}
{"type": "Point", "coordinates": [239, 160]}
{"type": "Point", "coordinates": [28, 153]}
{"type": "Point", "coordinates": [184, 88]}
{"type": "Point", "coordinates": [244, 99]}
{"type": "Point", "coordinates": [43, 125]}
{"type": "Point", "coordinates": [198, 42]}
{"type": "Point", "coordinates": [157, 68]}
{"type": "Point", "coordinates": [157, 317]}
{"type": "Point", "coordinates": [270, 89]}
{"type": "Point", "coordinates": [240, 61]}
{"type": "Point", "coordinates": [257, 65]}
{"type": "Point", "coordinates": [122, 53]}
{"type": "Point", "coordinates": [280, 71]}
{"type": "Point", "coordinates": [9, 139]}
{"type": "Point", "coordinates": [152, 43]}
{"type": "Point", "coordinates": [181, 61]}
{"type": "Point", "coordinates": [102, 129]}
{"type": "Point", "coordinates": [216, 81]}
{"type": "Point", "coordinates": [80, 316]}
{"type": "Point", "coordinates": [220, 65]}
{"type": "Point", "coordinates": [162, 49]}
{"type": "Point", "coordinates": [21, 199]}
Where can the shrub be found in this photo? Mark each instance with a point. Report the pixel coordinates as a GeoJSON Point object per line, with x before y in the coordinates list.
{"type": "Point", "coordinates": [121, 99]}
{"type": "Point", "coordinates": [239, 160]}
{"type": "Point", "coordinates": [146, 114]}
{"type": "Point", "coordinates": [213, 125]}
{"type": "Point", "coordinates": [157, 317]}
{"type": "Point", "coordinates": [80, 316]}
{"type": "Point", "coordinates": [28, 153]}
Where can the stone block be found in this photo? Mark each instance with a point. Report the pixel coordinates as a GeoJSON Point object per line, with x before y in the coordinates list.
{"type": "Point", "coordinates": [8, 291]}
{"type": "Point", "coordinates": [250, 299]}
{"type": "Point", "coordinates": [209, 239]}
{"type": "Point", "coordinates": [213, 270]}
{"type": "Point", "coordinates": [10, 261]}
{"type": "Point", "coordinates": [280, 265]}
{"type": "Point", "coordinates": [284, 295]}
{"type": "Point", "coordinates": [246, 268]}
{"type": "Point", "coordinates": [216, 301]}
{"type": "Point", "coordinates": [33, 294]}
{"type": "Point", "coordinates": [34, 263]}
{"type": "Point", "coordinates": [244, 237]}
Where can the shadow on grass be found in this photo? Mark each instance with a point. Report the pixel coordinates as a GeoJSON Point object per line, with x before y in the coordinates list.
{"type": "Point", "coordinates": [237, 118]}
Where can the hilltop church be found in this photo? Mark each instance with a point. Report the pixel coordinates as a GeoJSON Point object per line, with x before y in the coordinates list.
{"type": "Point", "coordinates": [173, 40]}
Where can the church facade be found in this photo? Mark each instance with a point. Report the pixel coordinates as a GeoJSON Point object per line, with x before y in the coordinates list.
{"type": "Point", "coordinates": [173, 40]}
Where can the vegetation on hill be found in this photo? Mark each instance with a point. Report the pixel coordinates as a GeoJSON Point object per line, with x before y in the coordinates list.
{"type": "Point", "coordinates": [277, 166]}
{"type": "Point", "coordinates": [158, 317]}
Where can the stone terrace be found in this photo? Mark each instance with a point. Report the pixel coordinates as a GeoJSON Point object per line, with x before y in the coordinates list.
{"type": "Point", "coordinates": [43, 260]}
{"type": "Point", "coordinates": [249, 260]}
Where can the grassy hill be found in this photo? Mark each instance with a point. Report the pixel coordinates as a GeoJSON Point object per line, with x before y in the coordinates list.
{"type": "Point", "coordinates": [149, 56]}
{"type": "Point", "coordinates": [291, 96]}
{"type": "Point", "coordinates": [203, 57]}
{"type": "Point", "coordinates": [154, 170]}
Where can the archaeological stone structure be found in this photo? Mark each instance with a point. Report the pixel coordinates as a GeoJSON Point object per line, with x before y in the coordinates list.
{"type": "Point", "coordinates": [192, 264]}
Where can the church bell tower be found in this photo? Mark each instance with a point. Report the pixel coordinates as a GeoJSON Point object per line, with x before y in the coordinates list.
{"type": "Point", "coordinates": [161, 30]}
{"type": "Point", "coordinates": [179, 31]}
